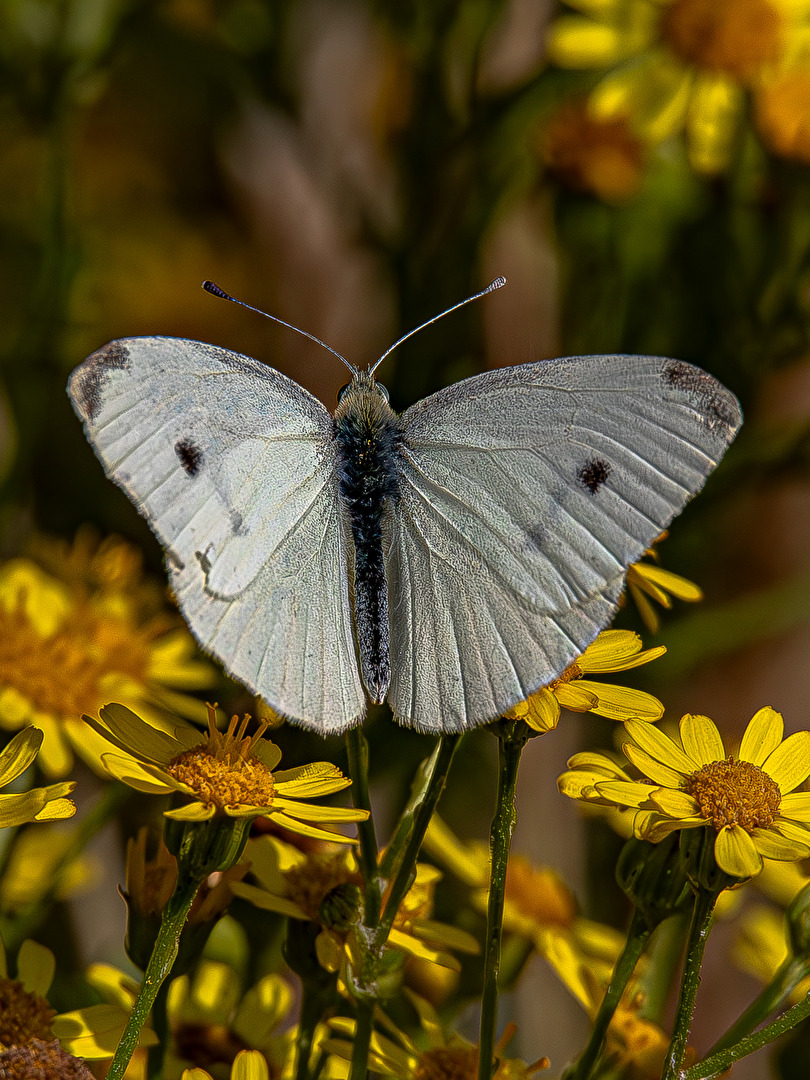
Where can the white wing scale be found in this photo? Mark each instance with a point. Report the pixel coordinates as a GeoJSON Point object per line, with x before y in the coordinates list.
{"type": "Point", "coordinates": [524, 495]}
{"type": "Point", "coordinates": [234, 466]}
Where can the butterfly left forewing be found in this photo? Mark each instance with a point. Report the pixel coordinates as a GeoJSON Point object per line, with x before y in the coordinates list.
{"type": "Point", "coordinates": [524, 495]}
{"type": "Point", "coordinates": [234, 467]}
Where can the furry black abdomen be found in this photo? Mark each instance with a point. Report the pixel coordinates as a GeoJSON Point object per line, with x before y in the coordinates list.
{"type": "Point", "coordinates": [368, 435]}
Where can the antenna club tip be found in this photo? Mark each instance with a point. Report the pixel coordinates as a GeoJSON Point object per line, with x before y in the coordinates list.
{"type": "Point", "coordinates": [498, 283]}
{"type": "Point", "coordinates": [214, 289]}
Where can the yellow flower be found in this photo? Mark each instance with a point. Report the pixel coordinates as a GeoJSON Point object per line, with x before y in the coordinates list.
{"type": "Point", "coordinates": [761, 946]}
{"type": "Point", "coordinates": [613, 650]}
{"type": "Point", "coordinates": [213, 1018]}
{"type": "Point", "coordinates": [693, 784]}
{"type": "Point", "coordinates": [36, 804]}
{"type": "Point", "coordinates": [781, 113]}
{"type": "Point", "coordinates": [247, 1065]}
{"type": "Point", "coordinates": [646, 582]}
{"type": "Point", "coordinates": [95, 633]}
{"type": "Point", "coordinates": [307, 886]}
{"type": "Point", "coordinates": [680, 64]}
{"type": "Point", "coordinates": [39, 864]}
{"type": "Point", "coordinates": [447, 1057]}
{"type": "Point", "coordinates": [538, 905]}
{"type": "Point", "coordinates": [227, 772]}
{"type": "Point", "coordinates": [92, 1033]}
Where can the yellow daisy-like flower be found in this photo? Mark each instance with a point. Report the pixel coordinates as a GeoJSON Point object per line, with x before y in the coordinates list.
{"type": "Point", "coordinates": [227, 772]}
{"type": "Point", "coordinates": [647, 581]}
{"type": "Point", "coordinates": [613, 650]}
{"type": "Point", "coordinates": [70, 643]}
{"type": "Point", "coordinates": [447, 1056]}
{"type": "Point", "coordinates": [681, 65]}
{"type": "Point", "coordinates": [310, 886]}
{"type": "Point", "coordinates": [36, 804]}
{"type": "Point", "coordinates": [538, 905]}
{"type": "Point", "coordinates": [748, 800]}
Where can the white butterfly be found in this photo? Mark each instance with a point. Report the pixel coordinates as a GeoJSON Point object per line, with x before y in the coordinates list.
{"type": "Point", "coordinates": [452, 559]}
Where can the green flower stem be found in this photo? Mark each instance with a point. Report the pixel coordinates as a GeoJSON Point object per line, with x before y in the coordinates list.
{"type": "Point", "coordinates": [160, 964]}
{"type": "Point", "coordinates": [510, 748]}
{"type": "Point", "coordinates": [419, 817]}
{"type": "Point", "coordinates": [362, 1039]}
{"type": "Point", "coordinates": [702, 917]}
{"type": "Point", "coordinates": [775, 994]}
{"type": "Point", "coordinates": [719, 1063]}
{"type": "Point", "coordinates": [637, 937]}
{"type": "Point", "coordinates": [156, 1054]}
{"type": "Point", "coordinates": [357, 750]}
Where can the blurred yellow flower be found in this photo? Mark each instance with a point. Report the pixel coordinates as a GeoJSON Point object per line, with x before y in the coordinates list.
{"type": "Point", "coordinates": [538, 905]}
{"type": "Point", "coordinates": [613, 650]}
{"type": "Point", "coordinates": [647, 581]}
{"type": "Point", "coordinates": [318, 887]}
{"type": "Point", "coordinates": [247, 1065]}
{"type": "Point", "coordinates": [782, 114]}
{"type": "Point", "coordinates": [36, 804]}
{"type": "Point", "coordinates": [46, 861]}
{"type": "Point", "coordinates": [680, 65]}
{"type": "Point", "coordinates": [227, 772]}
{"type": "Point", "coordinates": [749, 801]}
{"type": "Point", "coordinates": [762, 945]}
{"type": "Point", "coordinates": [69, 643]}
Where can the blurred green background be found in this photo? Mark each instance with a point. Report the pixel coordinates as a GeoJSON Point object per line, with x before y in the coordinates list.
{"type": "Point", "coordinates": [356, 167]}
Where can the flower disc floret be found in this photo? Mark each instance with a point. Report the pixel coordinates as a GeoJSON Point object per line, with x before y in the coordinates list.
{"type": "Point", "coordinates": [222, 771]}
{"type": "Point", "coordinates": [733, 792]}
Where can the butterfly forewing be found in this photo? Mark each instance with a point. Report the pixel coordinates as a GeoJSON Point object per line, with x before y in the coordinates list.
{"type": "Point", "coordinates": [524, 495]}
{"type": "Point", "coordinates": [233, 464]}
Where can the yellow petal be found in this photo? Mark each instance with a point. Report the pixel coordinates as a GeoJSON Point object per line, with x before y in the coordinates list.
{"type": "Point", "coordinates": [617, 650]}
{"type": "Point", "coordinates": [762, 736]}
{"type": "Point", "coordinates": [314, 812]}
{"type": "Point", "coordinates": [773, 845]}
{"type": "Point", "coordinates": [19, 754]}
{"type": "Point", "coordinates": [676, 804]}
{"type": "Point", "coordinates": [625, 793]}
{"type": "Point", "coordinates": [796, 806]}
{"type": "Point", "coordinates": [701, 739]}
{"type": "Point", "coordinates": [794, 831]}
{"type": "Point", "coordinates": [655, 827]}
{"type": "Point", "coordinates": [414, 947]}
{"type": "Point", "coordinates": [55, 755]}
{"type": "Point", "coordinates": [18, 809]}
{"type": "Point", "coordinates": [598, 763]}
{"type": "Point", "coordinates": [56, 810]}
{"type": "Point", "coordinates": [194, 811]}
{"type": "Point", "coordinates": [128, 770]}
{"type": "Point", "coordinates": [624, 702]}
{"type": "Point", "coordinates": [679, 587]}
{"type": "Point", "coordinates": [135, 736]}
{"type": "Point", "coordinates": [574, 42]}
{"type": "Point", "coordinates": [249, 1065]}
{"type": "Point", "coordinates": [736, 852]}
{"type": "Point", "coordinates": [266, 752]}
{"type": "Point", "coordinates": [35, 967]}
{"type": "Point", "coordinates": [267, 901]}
{"type": "Point", "coordinates": [711, 122]}
{"type": "Point", "coordinates": [659, 746]}
{"type": "Point", "coordinates": [575, 697]}
{"type": "Point", "coordinates": [544, 712]}
{"type": "Point", "coordinates": [661, 774]}
{"type": "Point", "coordinates": [95, 1031]}
{"type": "Point", "coordinates": [649, 616]}
{"type": "Point", "coordinates": [307, 830]}
{"type": "Point", "coordinates": [789, 764]}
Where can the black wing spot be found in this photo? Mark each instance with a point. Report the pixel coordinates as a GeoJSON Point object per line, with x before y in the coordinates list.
{"type": "Point", "coordinates": [593, 474]}
{"type": "Point", "coordinates": [190, 455]}
{"type": "Point", "coordinates": [87, 384]}
{"type": "Point", "coordinates": [237, 522]}
{"type": "Point", "coordinates": [204, 561]}
{"type": "Point", "coordinates": [710, 396]}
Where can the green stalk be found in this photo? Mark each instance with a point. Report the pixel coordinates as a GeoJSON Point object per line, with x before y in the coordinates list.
{"type": "Point", "coordinates": [420, 819]}
{"type": "Point", "coordinates": [357, 750]}
{"type": "Point", "coordinates": [698, 935]}
{"type": "Point", "coordinates": [510, 748]}
{"type": "Point", "coordinates": [160, 1024]}
{"type": "Point", "coordinates": [362, 1039]}
{"type": "Point", "coordinates": [637, 937]}
{"type": "Point", "coordinates": [160, 964]}
{"type": "Point", "coordinates": [775, 994]}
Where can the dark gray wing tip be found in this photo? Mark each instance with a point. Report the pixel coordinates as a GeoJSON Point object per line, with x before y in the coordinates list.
{"type": "Point", "coordinates": [717, 404]}
{"type": "Point", "coordinates": [86, 384]}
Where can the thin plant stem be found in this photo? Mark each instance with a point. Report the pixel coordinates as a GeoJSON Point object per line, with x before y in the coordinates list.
{"type": "Point", "coordinates": [702, 917]}
{"type": "Point", "coordinates": [160, 1023]}
{"type": "Point", "coordinates": [721, 1062]}
{"type": "Point", "coordinates": [510, 748]}
{"type": "Point", "coordinates": [421, 819]}
{"type": "Point", "coordinates": [160, 964]}
{"type": "Point", "coordinates": [362, 1039]}
{"type": "Point", "coordinates": [357, 750]}
{"type": "Point", "coordinates": [775, 994]}
{"type": "Point", "coordinates": [637, 937]}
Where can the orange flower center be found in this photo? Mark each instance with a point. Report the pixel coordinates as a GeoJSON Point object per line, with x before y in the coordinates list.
{"type": "Point", "coordinates": [734, 36]}
{"type": "Point", "coordinates": [23, 1015]}
{"type": "Point", "coordinates": [41, 1058]}
{"type": "Point", "coordinates": [783, 118]}
{"type": "Point", "coordinates": [448, 1063]}
{"type": "Point", "coordinates": [538, 893]}
{"type": "Point", "coordinates": [221, 771]}
{"type": "Point", "coordinates": [601, 157]}
{"type": "Point", "coordinates": [735, 793]}
{"type": "Point", "coordinates": [311, 881]}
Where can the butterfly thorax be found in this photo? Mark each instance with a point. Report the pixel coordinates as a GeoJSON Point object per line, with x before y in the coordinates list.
{"type": "Point", "coordinates": [369, 435]}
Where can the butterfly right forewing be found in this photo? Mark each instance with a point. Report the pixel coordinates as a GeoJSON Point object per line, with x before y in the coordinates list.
{"type": "Point", "coordinates": [524, 495]}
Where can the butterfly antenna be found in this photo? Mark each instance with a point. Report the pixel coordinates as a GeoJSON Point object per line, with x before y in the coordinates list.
{"type": "Point", "coordinates": [498, 283]}
{"type": "Point", "coordinates": [215, 290]}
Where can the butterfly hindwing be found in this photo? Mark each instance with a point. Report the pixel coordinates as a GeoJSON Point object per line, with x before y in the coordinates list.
{"type": "Point", "coordinates": [233, 465]}
{"type": "Point", "coordinates": [524, 495]}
